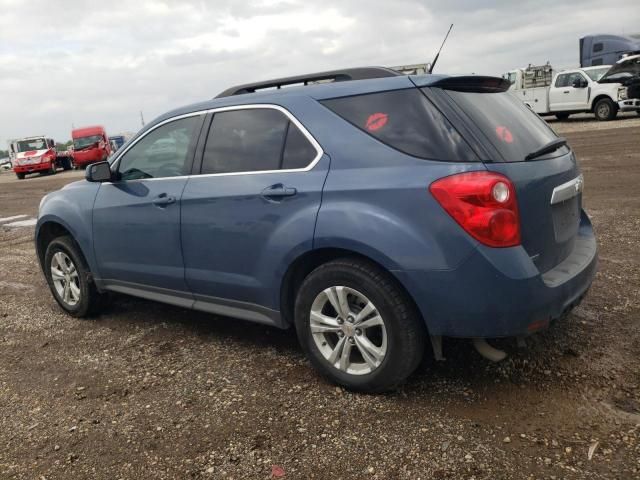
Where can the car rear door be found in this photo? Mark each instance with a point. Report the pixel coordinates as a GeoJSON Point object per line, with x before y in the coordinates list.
{"type": "Point", "coordinates": [136, 218]}
{"type": "Point", "coordinates": [251, 210]}
{"type": "Point", "coordinates": [548, 187]}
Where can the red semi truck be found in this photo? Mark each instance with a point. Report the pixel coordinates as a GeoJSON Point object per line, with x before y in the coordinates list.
{"type": "Point", "coordinates": [90, 145]}
{"type": "Point", "coordinates": [38, 155]}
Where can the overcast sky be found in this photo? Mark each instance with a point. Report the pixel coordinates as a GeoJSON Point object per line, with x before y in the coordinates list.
{"type": "Point", "coordinates": [81, 62]}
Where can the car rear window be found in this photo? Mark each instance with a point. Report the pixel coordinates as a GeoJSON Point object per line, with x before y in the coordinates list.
{"type": "Point", "coordinates": [511, 127]}
{"type": "Point", "coordinates": [407, 121]}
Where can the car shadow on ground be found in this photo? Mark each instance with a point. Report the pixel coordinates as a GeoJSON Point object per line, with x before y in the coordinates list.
{"type": "Point", "coordinates": [535, 363]}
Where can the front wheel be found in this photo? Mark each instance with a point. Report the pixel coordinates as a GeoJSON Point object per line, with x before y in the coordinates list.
{"type": "Point", "coordinates": [20, 176]}
{"type": "Point", "coordinates": [357, 326]}
{"type": "Point", "coordinates": [562, 116]}
{"type": "Point", "coordinates": [69, 278]}
{"type": "Point", "coordinates": [605, 109]}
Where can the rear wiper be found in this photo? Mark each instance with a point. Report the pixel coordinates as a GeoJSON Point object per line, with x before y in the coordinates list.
{"type": "Point", "coordinates": [552, 146]}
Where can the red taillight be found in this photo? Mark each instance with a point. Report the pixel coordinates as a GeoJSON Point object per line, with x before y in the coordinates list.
{"type": "Point", "coordinates": [484, 204]}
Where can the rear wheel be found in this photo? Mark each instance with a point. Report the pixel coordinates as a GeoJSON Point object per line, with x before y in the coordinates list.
{"type": "Point", "coordinates": [66, 164]}
{"type": "Point", "coordinates": [69, 278]}
{"type": "Point", "coordinates": [605, 109]}
{"type": "Point", "coordinates": [357, 326]}
{"type": "Point", "coordinates": [562, 116]}
{"type": "Point", "coordinates": [20, 176]}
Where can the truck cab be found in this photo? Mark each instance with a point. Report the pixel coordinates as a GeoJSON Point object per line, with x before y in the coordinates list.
{"type": "Point", "coordinates": [33, 154]}
{"type": "Point", "coordinates": [606, 49]}
{"type": "Point", "coordinates": [90, 145]}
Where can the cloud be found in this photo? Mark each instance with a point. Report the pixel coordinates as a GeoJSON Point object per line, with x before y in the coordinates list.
{"type": "Point", "coordinates": [73, 62]}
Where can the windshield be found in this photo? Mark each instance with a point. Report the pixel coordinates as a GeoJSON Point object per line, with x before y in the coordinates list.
{"type": "Point", "coordinates": [32, 144]}
{"type": "Point", "coordinates": [511, 127]}
{"type": "Point", "coordinates": [84, 142]}
{"type": "Point", "coordinates": [597, 73]}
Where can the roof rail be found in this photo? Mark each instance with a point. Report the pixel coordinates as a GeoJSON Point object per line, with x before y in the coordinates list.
{"type": "Point", "coordinates": [334, 75]}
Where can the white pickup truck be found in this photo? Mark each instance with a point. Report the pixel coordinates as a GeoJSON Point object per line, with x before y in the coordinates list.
{"type": "Point", "coordinates": [579, 90]}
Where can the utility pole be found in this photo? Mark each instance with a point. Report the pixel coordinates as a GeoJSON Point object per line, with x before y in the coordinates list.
{"type": "Point", "coordinates": [141, 118]}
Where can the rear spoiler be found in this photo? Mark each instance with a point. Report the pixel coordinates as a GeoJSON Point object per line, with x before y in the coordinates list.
{"type": "Point", "coordinates": [471, 83]}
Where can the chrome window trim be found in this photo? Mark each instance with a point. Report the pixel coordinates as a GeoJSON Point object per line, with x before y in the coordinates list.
{"type": "Point", "coordinates": [567, 190]}
{"type": "Point", "coordinates": [319, 151]}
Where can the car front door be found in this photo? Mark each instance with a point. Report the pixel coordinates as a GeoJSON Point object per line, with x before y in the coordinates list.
{"type": "Point", "coordinates": [565, 97]}
{"type": "Point", "coordinates": [251, 210]}
{"type": "Point", "coordinates": [136, 218]}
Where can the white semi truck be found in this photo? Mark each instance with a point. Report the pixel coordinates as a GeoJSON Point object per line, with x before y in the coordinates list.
{"type": "Point", "coordinates": [603, 90]}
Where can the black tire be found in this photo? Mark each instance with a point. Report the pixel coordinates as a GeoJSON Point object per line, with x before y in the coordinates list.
{"type": "Point", "coordinates": [562, 116]}
{"type": "Point", "coordinates": [66, 164]}
{"type": "Point", "coordinates": [53, 169]}
{"type": "Point", "coordinates": [404, 327]}
{"type": "Point", "coordinates": [20, 176]}
{"type": "Point", "coordinates": [90, 299]}
{"type": "Point", "coordinates": [605, 109]}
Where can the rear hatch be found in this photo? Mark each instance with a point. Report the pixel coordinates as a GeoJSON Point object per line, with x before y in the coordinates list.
{"type": "Point", "coordinates": [548, 186]}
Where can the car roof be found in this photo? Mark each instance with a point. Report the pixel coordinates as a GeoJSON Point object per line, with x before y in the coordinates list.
{"type": "Point", "coordinates": [84, 131]}
{"type": "Point", "coordinates": [318, 91]}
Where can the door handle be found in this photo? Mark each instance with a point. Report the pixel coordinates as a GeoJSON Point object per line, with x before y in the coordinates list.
{"type": "Point", "coordinates": [163, 200]}
{"type": "Point", "coordinates": [278, 191]}
{"type": "Point", "coordinates": [566, 91]}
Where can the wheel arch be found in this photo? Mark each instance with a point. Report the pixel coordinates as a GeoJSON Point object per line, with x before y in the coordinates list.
{"type": "Point", "coordinates": [596, 99]}
{"type": "Point", "coordinates": [49, 230]}
{"type": "Point", "coordinates": [305, 263]}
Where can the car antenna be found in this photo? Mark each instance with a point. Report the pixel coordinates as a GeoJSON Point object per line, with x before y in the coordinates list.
{"type": "Point", "coordinates": [433, 64]}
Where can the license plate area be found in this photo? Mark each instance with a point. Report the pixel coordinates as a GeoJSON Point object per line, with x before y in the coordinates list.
{"type": "Point", "coordinates": [566, 219]}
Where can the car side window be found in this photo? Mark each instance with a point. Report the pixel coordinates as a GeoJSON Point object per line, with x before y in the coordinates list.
{"type": "Point", "coordinates": [562, 80]}
{"type": "Point", "coordinates": [244, 141]}
{"type": "Point", "coordinates": [164, 152]}
{"type": "Point", "coordinates": [298, 151]}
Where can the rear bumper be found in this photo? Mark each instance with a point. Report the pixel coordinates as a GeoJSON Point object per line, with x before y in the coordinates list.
{"type": "Point", "coordinates": [629, 105]}
{"type": "Point", "coordinates": [36, 167]}
{"type": "Point", "coordinates": [500, 293]}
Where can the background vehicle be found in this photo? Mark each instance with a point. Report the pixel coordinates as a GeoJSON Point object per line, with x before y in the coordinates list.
{"type": "Point", "coordinates": [5, 164]}
{"type": "Point", "coordinates": [365, 213]}
{"type": "Point", "coordinates": [38, 154]}
{"type": "Point", "coordinates": [90, 145]}
{"type": "Point", "coordinates": [116, 142]}
{"type": "Point", "coordinates": [571, 91]}
{"type": "Point", "coordinates": [606, 49]}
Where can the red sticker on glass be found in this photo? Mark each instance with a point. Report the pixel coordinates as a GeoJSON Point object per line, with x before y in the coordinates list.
{"type": "Point", "coordinates": [376, 121]}
{"type": "Point", "coordinates": [504, 134]}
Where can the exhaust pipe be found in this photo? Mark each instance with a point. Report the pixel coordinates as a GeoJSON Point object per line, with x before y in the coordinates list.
{"type": "Point", "coordinates": [487, 351]}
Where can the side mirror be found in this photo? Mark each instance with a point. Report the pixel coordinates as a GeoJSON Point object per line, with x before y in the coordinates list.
{"type": "Point", "coordinates": [579, 83]}
{"type": "Point", "coordinates": [98, 172]}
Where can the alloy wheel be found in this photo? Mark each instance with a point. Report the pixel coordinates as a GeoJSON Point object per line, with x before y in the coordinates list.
{"type": "Point", "coordinates": [348, 330]}
{"type": "Point", "coordinates": [65, 278]}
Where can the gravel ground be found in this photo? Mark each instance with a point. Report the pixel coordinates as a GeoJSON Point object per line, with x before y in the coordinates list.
{"type": "Point", "coordinates": [152, 391]}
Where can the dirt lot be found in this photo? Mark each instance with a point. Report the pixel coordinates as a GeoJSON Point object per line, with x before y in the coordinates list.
{"type": "Point", "coordinates": [152, 391]}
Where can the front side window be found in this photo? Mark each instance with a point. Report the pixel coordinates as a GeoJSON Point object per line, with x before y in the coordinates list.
{"type": "Point", "coordinates": [255, 140]}
{"type": "Point", "coordinates": [162, 153]}
{"type": "Point", "coordinates": [404, 120]}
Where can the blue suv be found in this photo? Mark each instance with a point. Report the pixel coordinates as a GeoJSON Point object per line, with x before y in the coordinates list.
{"type": "Point", "coordinates": [372, 211]}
